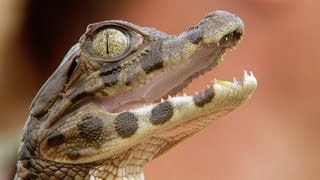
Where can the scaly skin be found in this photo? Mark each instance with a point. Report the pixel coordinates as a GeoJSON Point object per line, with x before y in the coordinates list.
{"type": "Point", "coordinates": [89, 121]}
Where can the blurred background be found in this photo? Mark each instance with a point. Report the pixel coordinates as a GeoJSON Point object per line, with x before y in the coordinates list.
{"type": "Point", "coordinates": [275, 136]}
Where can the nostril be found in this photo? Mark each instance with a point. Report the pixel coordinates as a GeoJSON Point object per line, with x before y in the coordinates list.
{"type": "Point", "coordinates": [230, 39]}
{"type": "Point", "coordinates": [237, 35]}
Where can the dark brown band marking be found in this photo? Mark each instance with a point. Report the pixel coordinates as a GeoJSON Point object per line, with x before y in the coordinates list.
{"type": "Point", "coordinates": [161, 113]}
{"type": "Point", "coordinates": [152, 60]}
{"type": "Point", "coordinates": [111, 79]}
{"type": "Point", "coordinates": [79, 94]}
{"type": "Point", "coordinates": [126, 124]}
{"type": "Point", "coordinates": [204, 98]}
{"type": "Point", "coordinates": [55, 138]}
{"type": "Point", "coordinates": [92, 130]}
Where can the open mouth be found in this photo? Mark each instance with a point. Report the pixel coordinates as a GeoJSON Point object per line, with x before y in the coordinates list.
{"type": "Point", "coordinates": [103, 110]}
{"type": "Point", "coordinates": [172, 81]}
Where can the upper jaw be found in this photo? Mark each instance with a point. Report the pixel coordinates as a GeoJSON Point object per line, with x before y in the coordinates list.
{"type": "Point", "coordinates": [185, 57]}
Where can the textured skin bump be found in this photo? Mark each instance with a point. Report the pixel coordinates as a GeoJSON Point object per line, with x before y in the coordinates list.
{"type": "Point", "coordinates": [92, 130]}
{"type": "Point", "coordinates": [161, 113]}
{"type": "Point", "coordinates": [195, 37]}
{"type": "Point", "coordinates": [74, 130]}
{"type": "Point", "coordinates": [55, 138]}
{"type": "Point", "coordinates": [204, 98]}
{"type": "Point", "coordinates": [152, 60]}
{"type": "Point", "coordinates": [126, 124]}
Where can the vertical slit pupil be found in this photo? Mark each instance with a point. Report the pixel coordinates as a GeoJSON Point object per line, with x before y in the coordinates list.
{"type": "Point", "coordinates": [107, 43]}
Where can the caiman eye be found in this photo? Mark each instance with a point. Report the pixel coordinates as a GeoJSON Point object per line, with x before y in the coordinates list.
{"type": "Point", "coordinates": [110, 43]}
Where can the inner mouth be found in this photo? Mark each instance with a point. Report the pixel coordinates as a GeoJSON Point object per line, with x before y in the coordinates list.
{"type": "Point", "coordinates": [172, 81]}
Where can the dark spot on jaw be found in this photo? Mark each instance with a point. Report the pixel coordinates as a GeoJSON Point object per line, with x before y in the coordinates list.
{"type": "Point", "coordinates": [161, 113]}
{"type": "Point", "coordinates": [55, 138]}
{"type": "Point", "coordinates": [91, 129]}
{"type": "Point", "coordinates": [126, 124]}
{"type": "Point", "coordinates": [204, 98]}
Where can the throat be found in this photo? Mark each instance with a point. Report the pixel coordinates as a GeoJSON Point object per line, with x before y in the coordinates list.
{"type": "Point", "coordinates": [129, 164]}
{"type": "Point", "coordinates": [112, 172]}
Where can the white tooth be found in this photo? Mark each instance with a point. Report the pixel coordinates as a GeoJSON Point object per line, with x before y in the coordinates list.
{"type": "Point", "coordinates": [162, 100]}
{"type": "Point", "coordinates": [215, 80]}
{"type": "Point", "coordinates": [196, 93]}
{"type": "Point", "coordinates": [234, 79]}
{"type": "Point", "coordinates": [184, 94]}
{"type": "Point", "coordinates": [169, 97]}
{"type": "Point", "coordinates": [245, 73]}
{"type": "Point", "coordinates": [208, 86]}
{"type": "Point", "coordinates": [251, 73]}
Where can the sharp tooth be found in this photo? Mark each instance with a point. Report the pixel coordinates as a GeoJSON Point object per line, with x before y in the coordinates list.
{"type": "Point", "coordinates": [169, 97]}
{"type": "Point", "coordinates": [184, 94]}
{"type": "Point", "coordinates": [196, 93]}
{"type": "Point", "coordinates": [162, 100]}
{"type": "Point", "coordinates": [251, 73]}
{"type": "Point", "coordinates": [208, 86]}
{"type": "Point", "coordinates": [245, 73]}
{"type": "Point", "coordinates": [234, 79]}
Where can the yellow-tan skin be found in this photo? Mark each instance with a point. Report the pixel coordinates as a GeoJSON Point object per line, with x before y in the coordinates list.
{"type": "Point", "coordinates": [74, 131]}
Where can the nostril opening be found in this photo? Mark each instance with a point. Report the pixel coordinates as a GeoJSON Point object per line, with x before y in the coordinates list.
{"type": "Point", "coordinates": [230, 39]}
{"type": "Point", "coordinates": [237, 35]}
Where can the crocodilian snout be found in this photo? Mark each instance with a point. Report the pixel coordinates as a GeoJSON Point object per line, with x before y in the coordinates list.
{"type": "Point", "coordinates": [217, 28]}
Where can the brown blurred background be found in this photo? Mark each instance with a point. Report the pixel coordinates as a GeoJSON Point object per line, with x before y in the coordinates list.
{"type": "Point", "coordinates": [274, 136]}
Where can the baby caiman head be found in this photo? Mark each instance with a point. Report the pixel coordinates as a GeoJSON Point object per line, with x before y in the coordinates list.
{"type": "Point", "coordinates": [119, 88]}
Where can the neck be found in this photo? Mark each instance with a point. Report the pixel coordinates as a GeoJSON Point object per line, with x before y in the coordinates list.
{"type": "Point", "coordinates": [130, 172]}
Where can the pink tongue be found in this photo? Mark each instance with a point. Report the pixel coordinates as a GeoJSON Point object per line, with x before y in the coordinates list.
{"type": "Point", "coordinates": [121, 102]}
{"type": "Point", "coordinates": [128, 106]}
